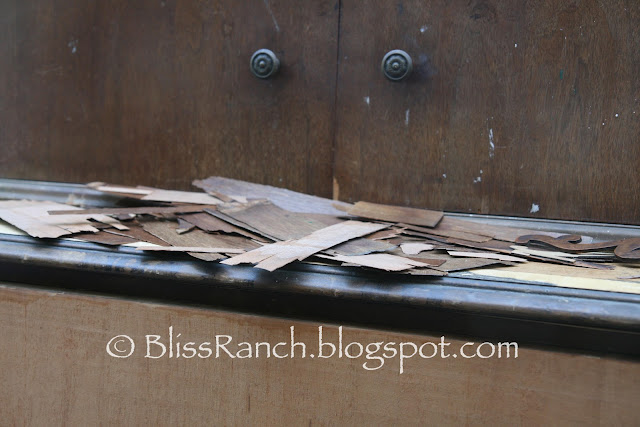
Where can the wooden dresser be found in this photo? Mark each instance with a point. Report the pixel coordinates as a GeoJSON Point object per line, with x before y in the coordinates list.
{"type": "Point", "coordinates": [525, 109]}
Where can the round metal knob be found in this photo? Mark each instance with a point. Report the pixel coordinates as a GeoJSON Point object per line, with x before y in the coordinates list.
{"type": "Point", "coordinates": [396, 65]}
{"type": "Point", "coordinates": [264, 63]}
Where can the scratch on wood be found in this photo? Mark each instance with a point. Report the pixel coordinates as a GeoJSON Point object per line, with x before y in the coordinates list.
{"type": "Point", "coordinates": [275, 23]}
{"type": "Point", "coordinates": [492, 146]}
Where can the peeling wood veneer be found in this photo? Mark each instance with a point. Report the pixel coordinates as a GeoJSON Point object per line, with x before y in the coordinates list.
{"type": "Point", "coordinates": [32, 218]}
{"type": "Point", "coordinates": [276, 255]}
{"type": "Point", "coordinates": [398, 214]}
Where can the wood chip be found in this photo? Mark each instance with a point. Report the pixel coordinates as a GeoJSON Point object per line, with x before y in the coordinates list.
{"type": "Point", "coordinates": [132, 211]}
{"type": "Point", "coordinates": [119, 189]}
{"type": "Point", "coordinates": [32, 218]}
{"type": "Point", "coordinates": [443, 232]}
{"type": "Point", "coordinates": [426, 272]}
{"type": "Point", "coordinates": [486, 255]}
{"type": "Point", "coordinates": [99, 225]}
{"type": "Point", "coordinates": [223, 197]}
{"type": "Point", "coordinates": [397, 214]}
{"type": "Point", "coordinates": [283, 198]}
{"type": "Point", "coordinates": [166, 230]}
{"type": "Point", "coordinates": [207, 222]}
{"type": "Point", "coordinates": [385, 262]}
{"type": "Point", "coordinates": [156, 194]}
{"type": "Point", "coordinates": [492, 245]}
{"type": "Point", "coordinates": [137, 233]}
{"type": "Point", "coordinates": [508, 234]}
{"type": "Point", "coordinates": [184, 226]}
{"type": "Point", "coordinates": [182, 197]}
{"type": "Point", "coordinates": [273, 256]}
{"type": "Point", "coordinates": [628, 248]}
{"type": "Point", "coordinates": [432, 262]}
{"type": "Point", "coordinates": [122, 217]}
{"type": "Point", "coordinates": [556, 258]}
{"type": "Point", "coordinates": [278, 223]}
{"type": "Point", "coordinates": [409, 239]}
{"type": "Point", "coordinates": [105, 238]}
{"type": "Point", "coordinates": [555, 255]}
{"type": "Point", "coordinates": [191, 249]}
{"type": "Point", "coordinates": [415, 248]}
{"type": "Point", "coordinates": [362, 246]}
{"type": "Point", "coordinates": [386, 234]}
{"type": "Point", "coordinates": [460, 264]}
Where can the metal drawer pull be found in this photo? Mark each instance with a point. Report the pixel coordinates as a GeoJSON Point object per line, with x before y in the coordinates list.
{"type": "Point", "coordinates": [397, 65]}
{"type": "Point", "coordinates": [264, 63]}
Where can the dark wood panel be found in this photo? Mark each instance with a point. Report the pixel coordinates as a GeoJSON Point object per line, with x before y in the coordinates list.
{"type": "Point", "coordinates": [511, 105]}
{"type": "Point", "coordinates": [160, 92]}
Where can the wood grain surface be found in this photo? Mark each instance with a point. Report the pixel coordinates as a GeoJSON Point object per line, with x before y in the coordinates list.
{"type": "Point", "coordinates": [56, 371]}
{"type": "Point", "coordinates": [521, 108]}
{"type": "Point", "coordinates": [160, 92]}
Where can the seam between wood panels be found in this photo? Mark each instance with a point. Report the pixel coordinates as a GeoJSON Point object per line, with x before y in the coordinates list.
{"type": "Point", "coordinates": [335, 105]}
